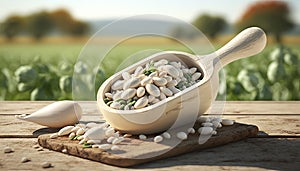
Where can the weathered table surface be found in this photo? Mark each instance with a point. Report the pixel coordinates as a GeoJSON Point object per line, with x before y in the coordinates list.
{"type": "Point", "coordinates": [276, 147]}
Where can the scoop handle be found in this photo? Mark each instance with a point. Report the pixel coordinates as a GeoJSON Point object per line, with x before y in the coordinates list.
{"type": "Point", "coordinates": [249, 42]}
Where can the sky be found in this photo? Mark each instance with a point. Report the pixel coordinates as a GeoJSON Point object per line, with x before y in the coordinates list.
{"type": "Point", "coordinates": [186, 10]}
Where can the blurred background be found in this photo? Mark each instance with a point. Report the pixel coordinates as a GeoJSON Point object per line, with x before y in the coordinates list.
{"type": "Point", "coordinates": [41, 40]}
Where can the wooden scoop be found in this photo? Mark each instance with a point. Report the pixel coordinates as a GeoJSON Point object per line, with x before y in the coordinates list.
{"type": "Point", "coordinates": [184, 107]}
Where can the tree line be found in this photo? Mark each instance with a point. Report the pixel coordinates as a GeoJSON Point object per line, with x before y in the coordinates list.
{"type": "Point", "coordinates": [42, 23]}
{"type": "Point", "coordinates": [272, 16]}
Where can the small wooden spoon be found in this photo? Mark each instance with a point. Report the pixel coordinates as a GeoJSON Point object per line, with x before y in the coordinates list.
{"type": "Point", "coordinates": [185, 106]}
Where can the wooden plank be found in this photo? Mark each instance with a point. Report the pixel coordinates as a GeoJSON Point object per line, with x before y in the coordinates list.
{"type": "Point", "coordinates": [272, 125]}
{"type": "Point", "coordinates": [262, 107]}
{"type": "Point", "coordinates": [21, 107]}
{"type": "Point", "coordinates": [134, 151]}
{"type": "Point", "coordinates": [231, 107]}
{"type": "Point", "coordinates": [27, 107]}
{"type": "Point", "coordinates": [249, 154]}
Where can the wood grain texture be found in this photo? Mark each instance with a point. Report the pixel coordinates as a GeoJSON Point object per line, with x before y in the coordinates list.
{"type": "Point", "coordinates": [230, 108]}
{"type": "Point", "coordinates": [134, 151]}
{"type": "Point", "coordinates": [249, 154]}
{"type": "Point", "coordinates": [269, 153]}
{"type": "Point", "coordinates": [21, 107]}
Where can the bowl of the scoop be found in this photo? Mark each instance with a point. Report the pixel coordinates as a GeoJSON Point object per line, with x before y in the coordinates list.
{"type": "Point", "coordinates": [180, 109]}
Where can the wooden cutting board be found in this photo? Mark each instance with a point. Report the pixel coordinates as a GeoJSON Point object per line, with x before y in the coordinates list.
{"type": "Point", "coordinates": [134, 151]}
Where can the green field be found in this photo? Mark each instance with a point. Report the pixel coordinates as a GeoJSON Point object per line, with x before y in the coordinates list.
{"type": "Point", "coordinates": [53, 63]}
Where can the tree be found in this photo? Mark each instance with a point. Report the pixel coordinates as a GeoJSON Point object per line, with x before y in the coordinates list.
{"type": "Point", "coordinates": [62, 19]}
{"type": "Point", "coordinates": [66, 23]}
{"type": "Point", "coordinates": [272, 16]}
{"type": "Point", "coordinates": [78, 28]}
{"type": "Point", "coordinates": [12, 26]}
{"type": "Point", "coordinates": [210, 25]}
{"type": "Point", "coordinates": [40, 24]}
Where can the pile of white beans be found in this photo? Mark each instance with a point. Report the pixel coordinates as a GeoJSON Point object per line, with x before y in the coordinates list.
{"type": "Point", "coordinates": [147, 85]}
{"type": "Point", "coordinates": [94, 135]}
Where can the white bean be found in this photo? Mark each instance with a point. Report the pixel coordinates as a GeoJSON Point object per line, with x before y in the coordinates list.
{"type": "Point", "coordinates": [181, 135]}
{"type": "Point", "coordinates": [180, 74]}
{"type": "Point", "coordinates": [174, 89]}
{"type": "Point", "coordinates": [168, 78]}
{"type": "Point", "coordinates": [153, 74]}
{"type": "Point", "coordinates": [172, 83]}
{"type": "Point", "coordinates": [8, 150]}
{"type": "Point", "coordinates": [140, 92]}
{"type": "Point", "coordinates": [158, 139]}
{"type": "Point", "coordinates": [72, 135]}
{"type": "Point", "coordinates": [80, 131]}
{"type": "Point", "coordinates": [142, 137]}
{"type": "Point", "coordinates": [192, 70]}
{"type": "Point", "coordinates": [146, 80]}
{"type": "Point", "coordinates": [115, 148]}
{"type": "Point", "coordinates": [25, 159]}
{"type": "Point", "coordinates": [46, 164]}
{"type": "Point", "coordinates": [150, 98]}
{"type": "Point", "coordinates": [203, 119]}
{"type": "Point", "coordinates": [95, 146]}
{"type": "Point", "coordinates": [159, 81]}
{"type": "Point", "coordinates": [54, 135]}
{"type": "Point", "coordinates": [104, 146]}
{"type": "Point", "coordinates": [166, 135]}
{"type": "Point", "coordinates": [185, 70]}
{"type": "Point", "coordinates": [138, 71]}
{"type": "Point", "coordinates": [205, 130]}
{"type": "Point", "coordinates": [171, 70]}
{"type": "Point", "coordinates": [163, 74]}
{"type": "Point", "coordinates": [216, 119]}
{"type": "Point", "coordinates": [166, 91]}
{"type": "Point", "coordinates": [94, 141]}
{"type": "Point", "coordinates": [196, 76]}
{"type": "Point", "coordinates": [82, 141]}
{"type": "Point", "coordinates": [128, 94]}
{"type": "Point", "coordinates": [162, 96]}
{"type": "Point", "coordinates": [127, 135]}
{"type": "Point", "coordinates": [155, 101]}
{"type": "Point", "coordinates": [191, 130]}
{"type": "Point", "coordinates": [227, 122]}
{"type": "Point", "coordinates": [207, 124]}
{"type": "Point", "coordinates": [65, 130]}
{"type": "Point", "coordinates": [164, 61]}
{"type": "Point", "coordinates": [80, 137]}
{"type": "Point", "coordinates": [152, 90]}
{"type": "Point", "coordinates": [115, 105]}
{"type": "Point", "coordinates": [110, 139]}
{"type": "Point", "coordinates": [215, 124]}
{"type": "Point", "coordinates": [117, 140]}
{"type": "Point", "coordinates": [108, 95]}
{"type": "Point", "coordinates": [140, 103]}
{"type": "Point", "coordinates": [126, 76]}
{"type": "Point", "coordinates": [117, 95]}
{"type": "Point", "coordinates": [131, 83]}
{"type": "Point", "coordinates": [118, 85]}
